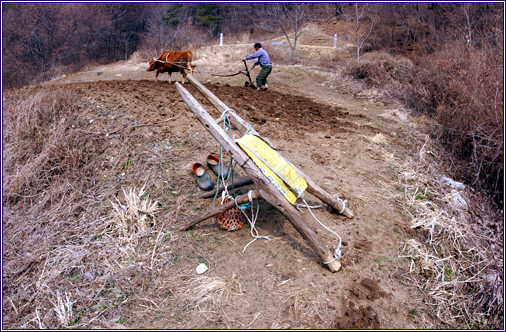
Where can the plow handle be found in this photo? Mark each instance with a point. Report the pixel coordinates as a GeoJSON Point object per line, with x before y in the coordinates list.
{"type": "Point", "coordinates": [247, 72]}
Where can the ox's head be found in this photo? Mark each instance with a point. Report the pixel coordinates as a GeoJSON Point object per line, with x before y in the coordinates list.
{"type": "Point", "coordinates": [152, 65]}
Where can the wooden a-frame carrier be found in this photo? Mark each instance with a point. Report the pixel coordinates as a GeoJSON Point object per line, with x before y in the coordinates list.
{"type": "Point", "coordinates": [264, 188]}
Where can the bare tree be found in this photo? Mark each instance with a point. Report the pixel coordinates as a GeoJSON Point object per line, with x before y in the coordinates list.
{"type": "Point", "coordinates": [125, 37]}
{"type": "Point", "coordinates": [361, 20]}
{"type": "Point", "coordinates": [164, 25]}
{"type": "Point", "coordinates": [157, 36]}
{"type": "Point", "coordinates": [287, 18]}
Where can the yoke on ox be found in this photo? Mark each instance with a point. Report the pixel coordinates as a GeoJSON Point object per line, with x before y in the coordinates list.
{"type": "Point", "coordinates": [264, 188]}
{"type": "Point", "coordinates": [171, 62]}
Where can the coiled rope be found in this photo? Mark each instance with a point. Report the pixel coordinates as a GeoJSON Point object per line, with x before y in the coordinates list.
{"type": "Point", "coordinates": [230, 176]}
{"type": "Point", "coordinates": [253, 232]}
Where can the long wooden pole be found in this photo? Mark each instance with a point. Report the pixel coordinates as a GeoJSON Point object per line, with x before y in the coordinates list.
{"type": "Point", "coordinates": [243, 126]}
{"type": "Point", "coordinates": [234, 185]}
{"type": "Point", "coordinates": [264, 186]}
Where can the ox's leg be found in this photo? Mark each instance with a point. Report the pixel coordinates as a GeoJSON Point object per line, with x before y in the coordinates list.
{"type": "Point", "coordinates": [183, 72]}
{"type": "Point", "coordinates": [156, 75]}
{"type": "Point", "coordinates": [170, 76]}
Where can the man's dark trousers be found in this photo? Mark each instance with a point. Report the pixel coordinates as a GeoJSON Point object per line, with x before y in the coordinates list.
{"type": "Point", "coordinates": [262, 75]}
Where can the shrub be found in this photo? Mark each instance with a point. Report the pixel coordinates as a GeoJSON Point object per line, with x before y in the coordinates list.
{"type": "Point", "coordinates": [461, 89]}
{"type": "Point", "coordinates": [464, 87]}
{"type": "Point", "coordinates": [394, 75]}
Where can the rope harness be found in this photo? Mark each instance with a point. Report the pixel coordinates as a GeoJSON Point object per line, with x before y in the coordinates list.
{"type": "Point", "coordinates": [172, 63]}
{"type": "Point", "coordinates": [230, 176]}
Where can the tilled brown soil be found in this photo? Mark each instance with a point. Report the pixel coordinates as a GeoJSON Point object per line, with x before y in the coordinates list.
{"type": "Point", "coordinates": [280, 283]}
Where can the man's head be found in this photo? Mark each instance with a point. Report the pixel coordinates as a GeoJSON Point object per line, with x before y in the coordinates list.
{"type": "Point", "coordinates": [257, 46]}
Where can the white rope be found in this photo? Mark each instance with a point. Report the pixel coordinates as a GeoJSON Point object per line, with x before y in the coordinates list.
{"type": "Point", "coordinates": [336, 197]}
{"type": "Point", "coordinates": [253, 221]}
{"type": "Point", "coordinates": [298, 205]}
{"type": "Point", "coordinates": [342, 202]}
{"type": "Point", "coordinates": [337, 252]}
{"type": "Point", "coordinates": [225, 112]}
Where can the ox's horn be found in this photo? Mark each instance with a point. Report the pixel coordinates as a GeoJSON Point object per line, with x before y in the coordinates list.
{"type": "Point", "coordinates": [154, 59]}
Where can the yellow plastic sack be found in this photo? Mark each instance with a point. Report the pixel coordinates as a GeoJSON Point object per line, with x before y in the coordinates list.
{"type": "Point", "coordinates": [274, 167]}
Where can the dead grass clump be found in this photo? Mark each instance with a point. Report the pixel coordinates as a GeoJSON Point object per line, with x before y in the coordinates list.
{"type": "Point", "coordinates": [43, 145]}
{"type": "Point", "coordinates": [459, 266]}
{"type": "Point", "coordinates": [63, 308]}
{"type": "Point", "coordinates": [307, 304]}
{"type": "Point", "coordinates": [213, 290]}
{"type": "Point", "coordinates": [137, 215]}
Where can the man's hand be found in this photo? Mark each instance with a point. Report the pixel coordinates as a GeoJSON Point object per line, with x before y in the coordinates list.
{"type": "Point", "coordinates": [243, 59]}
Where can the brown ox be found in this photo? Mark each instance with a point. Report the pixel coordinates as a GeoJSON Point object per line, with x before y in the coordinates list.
{"type": "Point", "coordinates": [172, 62]}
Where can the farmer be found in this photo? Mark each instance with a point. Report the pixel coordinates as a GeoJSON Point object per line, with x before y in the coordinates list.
{"type": "Point", "coordinates": [264, 62]}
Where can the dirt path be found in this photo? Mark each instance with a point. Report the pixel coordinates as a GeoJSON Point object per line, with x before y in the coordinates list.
{"type": "Point", "coordinates": [346, 145]}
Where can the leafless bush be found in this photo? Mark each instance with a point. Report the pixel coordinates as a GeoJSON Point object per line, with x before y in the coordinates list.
{"type": "Point", "coordinates": [460, 88]}
{"type": "Point", "coordinates": [465, 91]}
{"type": "Point", "coordinates": [382, 70]}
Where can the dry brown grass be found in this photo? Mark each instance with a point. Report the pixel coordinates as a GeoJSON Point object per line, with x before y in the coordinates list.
{"type": "Point", "coordinates": [71, 259]}
{"type": "Point", "coordinates": [42, 145]}
{"type": "Point", "coordinates": [46, 171]}
{"type": "Point", "coordinates": [213, 290]}
{"type": "Point", "coordinates": [459, 265]}
{"type": "Point", "coordinates": [64, 253]}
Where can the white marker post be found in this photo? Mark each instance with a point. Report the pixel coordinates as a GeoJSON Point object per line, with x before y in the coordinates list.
{"type": "Point", "coordinates": [221, 39]}
{"type": "Point", "coordinates": [335, 40]}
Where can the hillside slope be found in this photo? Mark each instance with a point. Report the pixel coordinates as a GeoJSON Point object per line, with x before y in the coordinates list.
{"type": "Point", "coordinates": [141, 134]}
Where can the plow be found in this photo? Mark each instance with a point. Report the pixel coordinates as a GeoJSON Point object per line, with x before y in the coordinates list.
{"type": "Point", "coordinates": [244, 72]}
